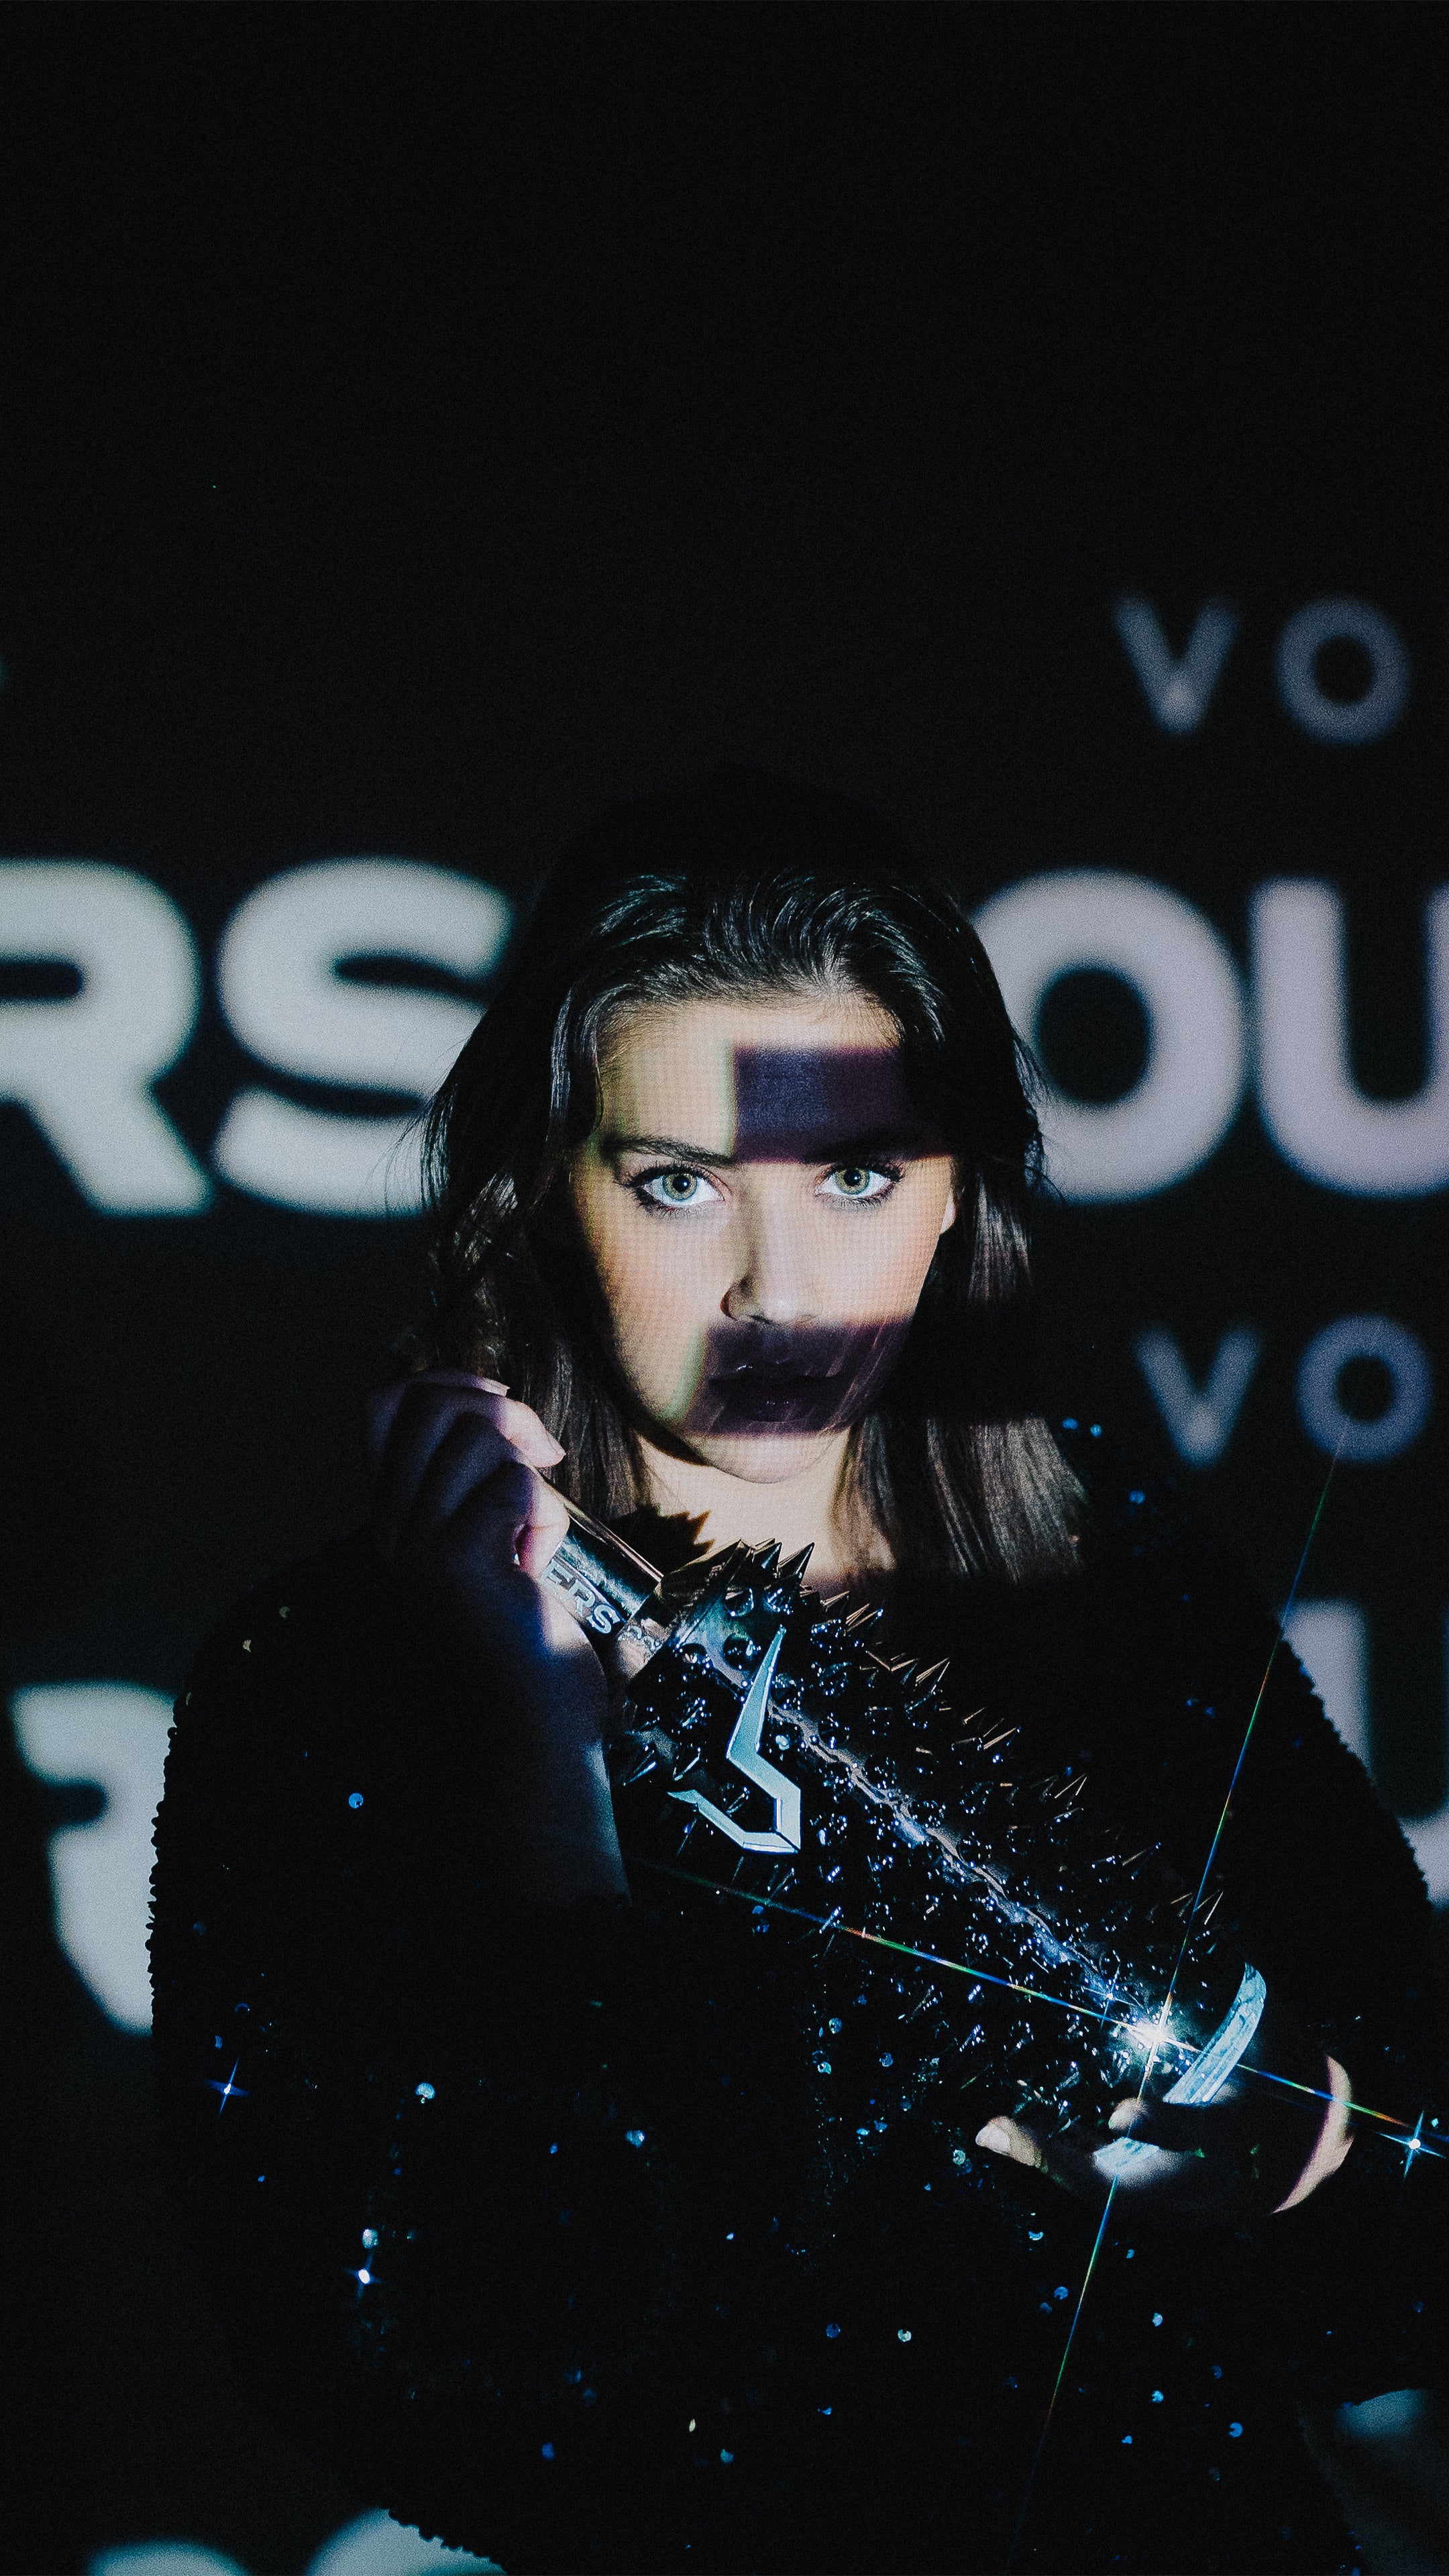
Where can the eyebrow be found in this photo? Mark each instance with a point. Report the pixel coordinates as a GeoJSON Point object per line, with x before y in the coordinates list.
{"type": "Point", "coordinates": [858, 1147]}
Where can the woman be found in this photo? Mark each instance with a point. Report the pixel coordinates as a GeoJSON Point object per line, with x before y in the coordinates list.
{"type": "Point", "coordinates": [520, 2169]}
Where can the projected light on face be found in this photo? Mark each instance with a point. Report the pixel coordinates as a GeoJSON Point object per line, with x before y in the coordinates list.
{"type": "Point", "coordinates": [761, 1202]}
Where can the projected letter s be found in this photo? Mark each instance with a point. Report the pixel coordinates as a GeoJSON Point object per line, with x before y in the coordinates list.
{"type": "Point", "coordinates": [285, 999]}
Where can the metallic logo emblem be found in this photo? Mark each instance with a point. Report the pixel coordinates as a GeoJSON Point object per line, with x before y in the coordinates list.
{"type": "Point", "coordinates": [743, 1754]}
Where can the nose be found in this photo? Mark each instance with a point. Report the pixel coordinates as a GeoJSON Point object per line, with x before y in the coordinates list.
{"type": "Point", "coordinates": [776, 1281]}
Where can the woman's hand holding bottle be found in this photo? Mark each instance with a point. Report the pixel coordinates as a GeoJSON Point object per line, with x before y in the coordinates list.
{"type": "Point", "coordinates": [463, 1513]}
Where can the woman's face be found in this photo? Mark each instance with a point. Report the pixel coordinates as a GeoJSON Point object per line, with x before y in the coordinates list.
{"type": "Point", "coordinates": [760, 1202]}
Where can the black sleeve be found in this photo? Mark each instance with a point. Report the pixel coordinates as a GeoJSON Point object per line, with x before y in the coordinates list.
{"type": "Point", "coordinates": [1322, 1892]}
{"type": "Point", "coordinates": [1348, 1929]}
{"type": "Point", "coordinates": [456, 2168]}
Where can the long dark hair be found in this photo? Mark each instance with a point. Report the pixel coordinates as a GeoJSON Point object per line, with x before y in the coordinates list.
{"type": "Point", "coordinates": [742, 883]}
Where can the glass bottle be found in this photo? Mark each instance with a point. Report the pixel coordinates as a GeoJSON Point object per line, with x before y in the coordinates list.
{"type": "Point", "coordinates": [759, 1735]}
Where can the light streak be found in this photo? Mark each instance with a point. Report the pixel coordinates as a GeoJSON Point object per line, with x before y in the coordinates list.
{"type": "Point", "coordinates": [1258, 1702]}
{"type": "Point", "coordinates": [1414, 2146]}
{"type": "Point", "coordinates": [1191, 1918]}
{"type": "Point", "coordinates": [1412, 2142]}
{"type": "Point", "coordinates": [1061, 2373]}
{"type": "Point", "coordinates": [227, 2089]}
{"type": "Point", "coordinates": [878, 1940]}
{"type": "Point", "coordinates": [832, 1923]}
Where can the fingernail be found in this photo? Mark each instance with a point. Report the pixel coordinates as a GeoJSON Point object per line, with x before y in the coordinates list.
{"type": "Point", "coordinates": [996, 2137]}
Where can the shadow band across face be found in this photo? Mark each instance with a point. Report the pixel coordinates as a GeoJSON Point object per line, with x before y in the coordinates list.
{"type": "Point", "coordinates": [815, 1367]}
{"type": "Point", "coordinates": [811, 1378]}
{"type": "Point", "coordinates": [819, 1104]}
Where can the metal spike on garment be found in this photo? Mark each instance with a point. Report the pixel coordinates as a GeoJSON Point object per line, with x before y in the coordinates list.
{"type": "Point", "coordinates": [793, 1569]}
{"type": "Point", "coordinates": [646, 1761]}
{"type": "Point", "coordinates": [766, 1559]}
{"type": "Point", "coordinates": [927, 1683]}
{"type": "Point", "coordinates": [862, 1619]}
{"type": "Point", "coordinates": [829, 1610]}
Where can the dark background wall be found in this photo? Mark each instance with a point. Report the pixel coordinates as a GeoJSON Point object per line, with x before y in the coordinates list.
{"type": "Point", "coordinates": [426, 425]}
{"type": "Point", "coordinates": [219, 675]}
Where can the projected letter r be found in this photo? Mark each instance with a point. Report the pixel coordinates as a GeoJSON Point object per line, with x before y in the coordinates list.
{"type": "Point", "coordinates": [84, 1066]}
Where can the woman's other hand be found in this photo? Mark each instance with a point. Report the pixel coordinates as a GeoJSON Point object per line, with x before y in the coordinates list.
{"type": "Point", "coordinates": [462, 1510]}
{"type": "Point", "coordinates": [1202, 2163]}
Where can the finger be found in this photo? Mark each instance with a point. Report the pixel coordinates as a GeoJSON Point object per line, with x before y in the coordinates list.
{"type": "Point", "coordinates": [1070, 2158]}
{"type": "Point", "coordinates": [380, 1403]}
{"type": "Point", "coordinates": [513, 1521]}
{"type": "Point", "coordinates": [524, 1432]}
{"type": "Point", "coordinates": [1335, 2139]}
{"type": "Point", "coordinates": [1067, 2160]}
{"type": "Point", "coordinates": [420, 1427]}
{"type": "Point", "coordinates": [379, 1412]}
{"type": "Point", "coordinates": [1184, 2128]}
{"type": "Point", "coordinates": [546, 1528]}
{"type": "Point", "coordinates": [1177, 2125]}
{"type": "Point", "coordinates": [518, 1422]}
{"type": "Point", "coordinates": [470, 1452]}
{"type": "Point", "coordinates": [1003, 2137]}
{"type": "Point", "coordinates": [469, 1460]}
{"type": "Point", "coordinates": [421, 1419]}
{"type": "Point", "coordinates": [443, 1393]}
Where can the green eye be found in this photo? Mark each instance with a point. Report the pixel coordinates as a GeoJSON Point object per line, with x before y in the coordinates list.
{"type": "Point", "coordinates": [673, 1189]}
{"type": "Point", "coordinates": [859, 1181]}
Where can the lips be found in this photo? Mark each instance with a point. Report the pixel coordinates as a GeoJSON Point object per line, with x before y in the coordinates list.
{"type": "Point", "coordinates": [802, 1383]}
{"type": "Point", "coordinates": [773, 1394]}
